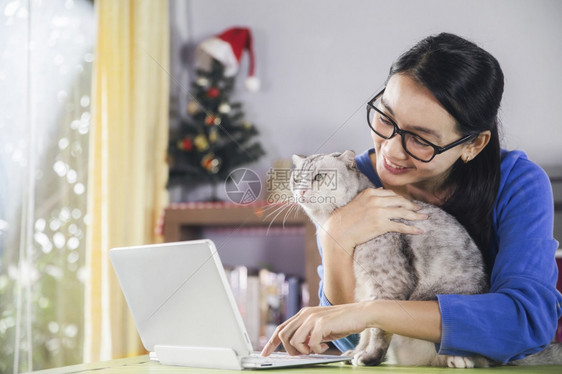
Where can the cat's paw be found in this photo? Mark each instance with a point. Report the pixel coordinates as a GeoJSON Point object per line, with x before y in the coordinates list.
{"type": "Point", "coordinates": [366, 358]}
{"type": "Point", "coordinates": [460, 362]}
{"type": "Point", "coordinates": [348, 354]}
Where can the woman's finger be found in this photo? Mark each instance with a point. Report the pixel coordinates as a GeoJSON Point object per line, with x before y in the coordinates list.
{"type": "Point", "coordinates": [290, 327]}
{"type": "Point", "coordinates": [276, 339]}
{"type": "Point", "coordinates": [406, 214]}
{"type": "Point", "coordinates": [316, 340]}
{"type": "Point", "coordinates": [395, 201]}
{"type": "Point", "coordinates": [300, 339]}
{"type": "Point", "coordinates": [375, 198]}
{"type": "Point", "coordinates": [270, 346]}
{"type": "Point", "coordinates": [286, 335]}
{"type": "Point", "coordinates": [405, 229]}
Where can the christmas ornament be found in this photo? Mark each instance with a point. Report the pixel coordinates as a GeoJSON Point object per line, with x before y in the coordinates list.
{"type": "Point", "coordinates": [186, 144]}
{"type": "Point", "coordinates": [211, 163]}
{"type": "Point", "coordinates": [201, 142]}
{"type": "Point", "coordinates": [202, 82]}
{"type": "Point", "coordinates": [224, 108]}
{"type": "Point", "coordinates": [193, 107]}
{"type": "Point", "coordinates": [213, 92]}
{"type": "Point", "coordinates": [212, 120]}
{"type": "Point", "coordinates": [227, 48]}
{"type": "Point", "coordinates": [213, 135]}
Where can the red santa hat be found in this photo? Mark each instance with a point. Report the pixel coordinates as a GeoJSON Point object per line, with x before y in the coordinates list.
{"type": "Point", "coordinates": [227, 48]}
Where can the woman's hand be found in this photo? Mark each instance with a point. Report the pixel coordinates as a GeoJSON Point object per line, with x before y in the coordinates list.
{"type": "Point", "coordinates": [371, 213]}
{"type": "Point", "coordinates": [308, 331]}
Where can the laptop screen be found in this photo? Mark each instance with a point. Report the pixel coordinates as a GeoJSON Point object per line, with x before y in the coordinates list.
{"type": "Point", "coordinates": [178, 294]}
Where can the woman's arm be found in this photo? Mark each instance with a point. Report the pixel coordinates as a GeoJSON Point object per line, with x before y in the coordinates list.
{"type": "Point", "coordinates": [308, 331]}
{"type": "Point", "coordinates": [414, 319]}
{"type": "Point", "coordinates": [519, 314]}
{"type": "Point", "coordinates": [338, 282]}
{"type": "Point", "coordinates": [370, 214]}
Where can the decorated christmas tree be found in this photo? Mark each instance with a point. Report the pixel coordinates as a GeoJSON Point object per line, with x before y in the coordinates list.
{"type": "Point", "coordinates": [213, 138]}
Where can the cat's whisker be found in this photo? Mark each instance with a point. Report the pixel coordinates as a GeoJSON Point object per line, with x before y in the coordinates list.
{"type": "Point", "coordinates": [299, 210]}
{"type": "Point", "coordinates": [290, 211]}
{"type": "Point", "coordinates": [287, 212]}
{"type": "Point", "coordinates": [271, 216]}
{"type": "Point", "coordinates": [279, 211]}
{"type": "Point", "coordinates": [274, 209]}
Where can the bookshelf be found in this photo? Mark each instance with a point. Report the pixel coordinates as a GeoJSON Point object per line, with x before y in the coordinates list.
{"type": "Point", "coordinates": [186, 221]}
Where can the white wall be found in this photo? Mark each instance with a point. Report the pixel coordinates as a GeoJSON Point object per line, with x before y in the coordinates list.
{"type": "Point", "coordinates": [320, 61]}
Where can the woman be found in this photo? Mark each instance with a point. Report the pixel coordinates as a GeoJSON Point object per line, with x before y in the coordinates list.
{"type": "Point", "coordinates": [435, 134]}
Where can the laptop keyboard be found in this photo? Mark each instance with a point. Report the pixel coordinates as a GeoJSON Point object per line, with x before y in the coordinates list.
{"type": "Point", "coordinates": [256, 358]}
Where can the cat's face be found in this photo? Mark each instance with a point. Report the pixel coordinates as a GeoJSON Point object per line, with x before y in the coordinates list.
{"type": "Point", "coordinates": [322, 183]}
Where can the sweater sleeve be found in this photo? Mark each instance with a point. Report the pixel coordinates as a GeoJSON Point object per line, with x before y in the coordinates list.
{"type": "Point", "coordinates": [519, 315]}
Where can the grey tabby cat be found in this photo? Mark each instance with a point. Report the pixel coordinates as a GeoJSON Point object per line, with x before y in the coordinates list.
{"type": "Point", "coordinates": [394, 266]}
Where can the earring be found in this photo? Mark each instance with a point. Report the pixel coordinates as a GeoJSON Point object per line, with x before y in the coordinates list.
{"type": "Point", "coordinates": [465, 159]}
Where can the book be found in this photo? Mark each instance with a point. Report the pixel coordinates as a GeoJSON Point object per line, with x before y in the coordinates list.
{"type": "Point", "coordinates": [265, 300]}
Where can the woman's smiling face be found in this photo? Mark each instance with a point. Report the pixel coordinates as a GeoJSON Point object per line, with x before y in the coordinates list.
{"type": "Point", "coordinates": [414, 108]}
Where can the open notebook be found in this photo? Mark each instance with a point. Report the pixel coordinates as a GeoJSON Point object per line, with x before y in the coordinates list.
{"type": "Point", "coordinates": [184, 309]}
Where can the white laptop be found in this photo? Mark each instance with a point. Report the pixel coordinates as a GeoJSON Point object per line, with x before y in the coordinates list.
{"type": "Point", "coordinates": [185, 311]}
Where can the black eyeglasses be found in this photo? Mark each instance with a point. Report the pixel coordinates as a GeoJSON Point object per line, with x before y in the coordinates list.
{"type": "Point", "coordinates": [414, 145]}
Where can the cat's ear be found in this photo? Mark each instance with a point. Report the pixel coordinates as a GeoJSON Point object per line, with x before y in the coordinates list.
{"type": "Point", "coordinates": [348, 157]}
{"type": "Point", "coordinates": [297, 159]}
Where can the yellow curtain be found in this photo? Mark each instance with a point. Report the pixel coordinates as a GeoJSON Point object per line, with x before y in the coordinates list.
{"type": "Point", "coordinates": [127, 171]}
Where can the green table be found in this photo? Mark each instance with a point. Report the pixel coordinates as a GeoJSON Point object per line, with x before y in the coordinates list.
{"type": "Point", "coordinates": [142, 365]}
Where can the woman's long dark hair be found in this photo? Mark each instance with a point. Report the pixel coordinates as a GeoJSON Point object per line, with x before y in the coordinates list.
{"type": "Point", "coordinates": [468, 82]}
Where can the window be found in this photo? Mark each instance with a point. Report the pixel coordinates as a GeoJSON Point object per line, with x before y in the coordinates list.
{"type": "Point", "coordinates": [45, 75]}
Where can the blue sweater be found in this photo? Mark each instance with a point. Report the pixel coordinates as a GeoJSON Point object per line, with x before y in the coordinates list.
{"type": "Point", "coordinates": [519, 315]}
